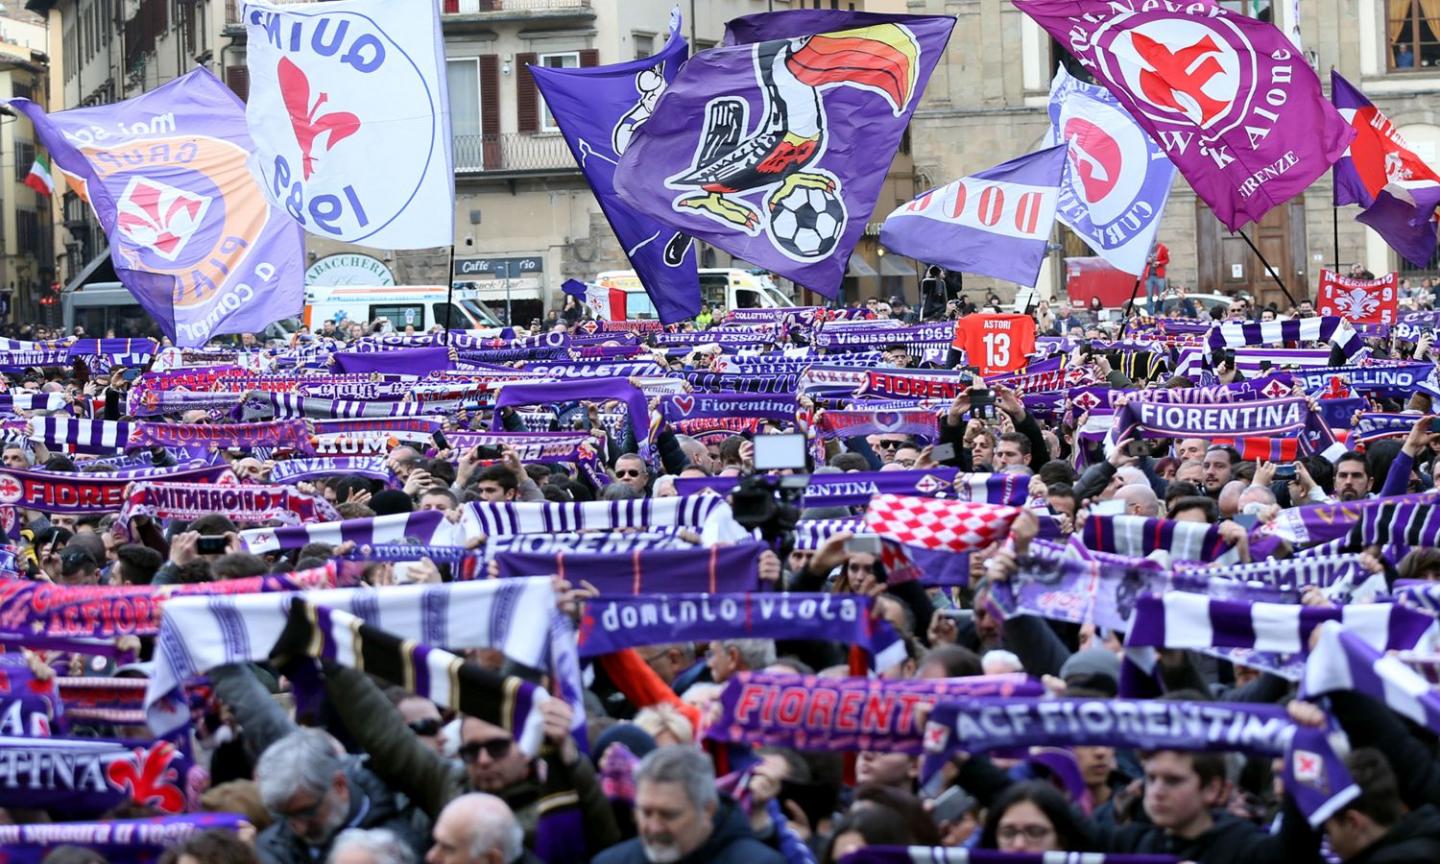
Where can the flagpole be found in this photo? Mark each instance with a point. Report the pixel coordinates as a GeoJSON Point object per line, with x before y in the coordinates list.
{"type": "Point", "coordinates": [450, 294]}
{"type": "Point", "coordinates": [1334, 221]}
{"type": "Point", "coordinates": [1268, 268]}
{"type": "Point", "coordinates": [1130, 307]}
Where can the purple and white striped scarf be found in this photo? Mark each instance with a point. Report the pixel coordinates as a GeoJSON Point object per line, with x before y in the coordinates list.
{"type": "Point", "coordinates": [317, 631]}
{"type": "Point", "coordinates": [1343, 661]}
{"type": "Point", "coordinates": [1376, 425]}
{"type": "Point", "coordinates": [1314, 775]}
{"type": "Point", "coordinates": [284, 406]}
{"type": "Point", "coordinates": [856, 488]}
{"type": "Point", "coordinates": [32, 401]}
{"type": "Point", "coordinates": [500, 518]}
{"type": "Point", "coordinates": [244, 505]}
{"type": "Point", "coordinates": [427, 527]}
{"type": "Point", "coordinates": [717, 569]}
{"type": "Point", "coordinates": [294, 470]}
{"type": "Point", "coordinates": [752, 383]}
{"type": "Point", "coordinates": [842, 714]}
{"type": "Point", "coordinates": [1285, 574]}
{"type": "Point", "coordinates": [1321, 523]}
{"type": "Point", "coordinates": [530, 446]}
{"type": "Point", "coordinates": [352, 387]}
{"type": "Point", "coordinates": [611, 624]}
{"type": "Point", "coordinates": [17, 355]}
{"type": "Point", "coordinates": [81, 436]}
{"type": "Point", "coordinates": [853, 422]}
{"type": "Point", "coordinates": [1337, 331]}
{"type": "Point", "coordinates": [1194, 621]}
{"type": "Point", "coordinates": [510, 615]}
{"type": "Point", "coordinates": [1138, 536]}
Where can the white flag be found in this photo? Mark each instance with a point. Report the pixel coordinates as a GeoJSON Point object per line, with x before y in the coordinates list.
{"type": "Point", "coordinates": [351, 120]}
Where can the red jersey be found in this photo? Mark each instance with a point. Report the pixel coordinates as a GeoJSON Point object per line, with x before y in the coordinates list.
{"type": "Point", "coordinates": [995, 343]}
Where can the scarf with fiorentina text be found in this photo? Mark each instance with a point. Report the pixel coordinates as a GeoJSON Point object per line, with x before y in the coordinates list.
{"type": "Point", "coordinates": [291, 435]}
{"type": "Point", "coordinates": [1314, 775]}
{"type": "Point", "coordinates": [55, 492]}
{"type": "Point", "coordinates": [812, 713]}
{"type": "Point", "coordinates": [88, 776]}
{"type": "Point", "coordinates": [611, 624]}
{"type": "Point", "coordinates": [242, 504]}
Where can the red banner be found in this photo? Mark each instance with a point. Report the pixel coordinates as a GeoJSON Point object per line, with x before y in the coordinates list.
{"type": "Point", "coordinates": [1363, 301]}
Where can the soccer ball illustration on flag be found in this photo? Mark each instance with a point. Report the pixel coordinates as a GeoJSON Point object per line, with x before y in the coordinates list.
{"type": "Point", "coordinates": [807, 223]}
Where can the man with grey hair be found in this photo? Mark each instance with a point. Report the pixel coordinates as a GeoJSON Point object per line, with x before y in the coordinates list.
{"type": "Point", "coordinates": [738, 655]}
{"type": "Point", "coordinates": [376, 846]}
{"type": "Point", "coordinates": [680, 818]}
{"type": "Point", "coordinates": [478, 828]}
{"type": "Point", "coordinates": [315, 790]}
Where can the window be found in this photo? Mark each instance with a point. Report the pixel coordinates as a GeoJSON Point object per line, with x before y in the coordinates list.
{"type": "Point", "coordinates": [24, 158]}
{"type": "Point", "coordinates": [1260, 9]}
{"type": "Point", "coordinates": [568, 60]}
{"type": "Point", "coordinates": [644, 44]}
{"type": "Point", "coordinates": [27, 232]}
{"type": "Point", "coordinates": [400, 315]}
{"type": "Point", "coordinates": [462, 79]}
{"type": "Point", "coordinates": [1413, 27]}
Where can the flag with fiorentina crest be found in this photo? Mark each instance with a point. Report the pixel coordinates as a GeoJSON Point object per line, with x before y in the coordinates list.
{"type": "Point", "coordinates": [1377, 156]}
{"type": "Point", "coordinates": [191, 234]}
{"type": "Point", "coordinates": [775, 145]}
{"type": "Point", "coordinates": [1229, 98]}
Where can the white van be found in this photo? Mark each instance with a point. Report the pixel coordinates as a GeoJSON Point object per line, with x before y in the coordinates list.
{"type": "Point", "coordinates": [422, 306]}
{"type": "Point", "coordinates": [721, 287]}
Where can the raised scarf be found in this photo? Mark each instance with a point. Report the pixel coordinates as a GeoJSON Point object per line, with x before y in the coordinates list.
{"type": "Point", "coordinates": [712, 405]}
{"type": "Point", "coordinates": [1337, 331]}
{"type": "Point", "coordinates": [294, 470]}
{"type": "Point", "coordinates": [586, 543]}
{"type": "Point", "coordinates": [282, 434]}
{"type": "Point", "coordinates": [91, 493]}
{"type": "Point", "coordinates": [123, 841]}
{"type": "Point", "coordinates": [1314, 775]}
{"type": "Point", "coordinates": [1343, 661]}
{"type": "Point", "coordinates": [813, 713]}
{"type": "Point", "coordinates": [1138, 536]}
{"type": "Point", "coordinates": [594, 389]}
{"type": "Point", "coordinates": [963, 855]}
{"type": "Point", "coordinates": [610, 624]}
{"type": "Point", "coordinates": [495, 518]}
{"type": "Point", "coordinates": [425, 527]}
{"type": "Point", "coordinates": [78, 435]}
{"type": "Point", "coordinates": [242, 504]}
{"type": "Point", "coordinates": [1396, 381]}
{"type": "Point", "coordinates": [717, 569]}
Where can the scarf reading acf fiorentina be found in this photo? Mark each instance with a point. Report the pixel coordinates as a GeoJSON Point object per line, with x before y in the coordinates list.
{"type": "Point", "coordinates": [1315, 776]}
{"type": "Point", "coordinates": [242, 504]}
{"type": "Point", "coordinates": [54, 492]}
{"type": "Point", "coordinates": [126, 841]}
{"type": "Point", "coordinates": [808, 712]}
{"type": "Point", "coordinates": [290, 434]}
{"type": "Point", "coordinates": [610, 624]}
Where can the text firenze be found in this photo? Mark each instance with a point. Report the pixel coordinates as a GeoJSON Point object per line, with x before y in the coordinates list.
{"type": "Point", "coordinates": [626, 616]}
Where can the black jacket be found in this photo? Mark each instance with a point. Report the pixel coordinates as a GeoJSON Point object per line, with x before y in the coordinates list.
{"type": "Point", "coordinates": [730, 843]}
{"type": "Point", "coordinates": [1415, 839]}
{"type": "Point", "coordinates": [1229, 841]}
{"type": "Point", "coordinates": [372, 805]}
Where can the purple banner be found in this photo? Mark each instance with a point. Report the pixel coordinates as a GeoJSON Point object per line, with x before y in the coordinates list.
{"type": "Point", "coordinates": [717, 569]}
{"type": "Point", "coordinates": [124, 841]}
{"type": "Point", "coordinates": [90, 493]}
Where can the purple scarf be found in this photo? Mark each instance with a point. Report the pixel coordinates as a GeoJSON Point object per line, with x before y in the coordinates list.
{"type": "Point", "coordinates": [963, 855]}
{"type": "Point", "coordinates": [1137, 536]}
{"type": "Point", "coordinates": [1337, 331]}
{"type": "Point", "coordinates": [846, 424]}
{"type": "Point", "coordinates": [295, 470]}
{"type": "Point", "coordinates": [717, 569]}
{"type": "Point", "coordinates": [1315, 776]}
{"type": "Point", "coordinates": [545, 447]}
{"type": "Point", "coordinates": [856, 488]}
{"type": "Point", "coordinates": [29, 708]}
{"type": "Point", "coordinates": [87, 776]}
{"type": "Point", "coordinates": [1343, 662]}
{"type": "Point", "coordinates": [280, 434]}
{"type": "Point", "coordinates": [242, 504]}
{"type": "Point", "coordinates": [593, 389]}
{"type": "Point", "coordinates": [610, 624]}
{"type": "Point", "coordinates": [427, 527]}
{"type": "Point", "coordinates": [126, 841]}
{"type": "Point", "coordinates": [1320, 523]}
{"type": "Point", "coordinates": [586, 543]}
{"type": "Point", "coordinates": [91, 493]}
{"type": "Point", "coordinates": [808, 712]}
{"type": "Point", "coordinates": [712, 405]}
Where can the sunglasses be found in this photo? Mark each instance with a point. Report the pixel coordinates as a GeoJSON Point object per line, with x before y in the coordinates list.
{"type": "Point", "coordinates": [426, 728]}
{"type": "Point", "coordinates": [627, 472]}
{"type": "Point", "coordinates": [891, 445]}
{"type": "Point", "coordinates": [496, 750]}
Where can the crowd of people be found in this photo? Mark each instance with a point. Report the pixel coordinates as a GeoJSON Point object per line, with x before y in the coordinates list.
{"type": "Point", "coordinates": [646, 753]}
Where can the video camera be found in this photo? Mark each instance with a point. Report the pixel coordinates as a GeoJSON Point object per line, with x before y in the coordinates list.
{"type": "Point", "coordinates": [772, 504]}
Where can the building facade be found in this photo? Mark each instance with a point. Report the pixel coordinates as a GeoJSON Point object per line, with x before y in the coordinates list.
{"type": "Point", "coordinates": [27, 263]}
{"type": "Point", "coordinates": [986, 104]}
{"type": "Point", "coordinates": [524, 219]}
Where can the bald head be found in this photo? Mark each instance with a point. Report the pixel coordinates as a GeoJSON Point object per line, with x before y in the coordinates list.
{"type": "Point", "coordinates": [1140, 500]}
{"type": "Point", "coordinates": [1229, 499]}
{"type": "Point", "coordinates": [476, 829]}
{"type": "Point", "coordinates": [1255, 495]}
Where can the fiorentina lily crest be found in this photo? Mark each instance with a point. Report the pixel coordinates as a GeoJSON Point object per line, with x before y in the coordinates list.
{"type": "Point", "coordinates": [775, 148]}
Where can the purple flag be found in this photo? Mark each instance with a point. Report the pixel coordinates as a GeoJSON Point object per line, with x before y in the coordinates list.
{"type": "Point", "coordinates": [1377, 156]}
{"type": "Point", "coordinates": [774, 147]}
{"type": "Point", "coordinates": [1234, 106]}
{"type": "Point", "coordinates": [191, 234]}
{"type": "Point", "coordinates": [997, 222]}
{"type": "Point", "coordinates": [1404, 215]}
{"type": "Point", "coordinates": [599, 110]}
{"type": "Point", "coordinates": [1117, 179]}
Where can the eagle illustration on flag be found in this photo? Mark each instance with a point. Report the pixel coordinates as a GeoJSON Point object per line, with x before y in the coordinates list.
{"type": "Point", "coordinates": [774, 146]}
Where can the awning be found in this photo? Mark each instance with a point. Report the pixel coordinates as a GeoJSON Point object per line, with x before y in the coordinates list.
{"type": "Point", "coordinates": [860, 268]}
{"type": "Point", "coordinates": [493, 290]}
{"type": "Point", "coordinates": [85, 276]}
{"type": "Point", "coordinates": [889, 266]}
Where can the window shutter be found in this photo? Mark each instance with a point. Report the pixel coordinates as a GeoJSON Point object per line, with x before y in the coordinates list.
{"type": "Point", "coordinates": [490, 109]}
{"type": "Point", "coordinates": [237, 78]}
{"type": "Point", "coordinates": [527, 97]}
{"type": "Point", "coordinates": [452, 7]}
{"type": "Point", "coordinates": [590, 57]}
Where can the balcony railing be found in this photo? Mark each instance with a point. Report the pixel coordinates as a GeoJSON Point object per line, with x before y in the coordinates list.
{"type": "Point", "coordinates": [475, 154]}
{"type": "Point", "coordinates": [475, 7]}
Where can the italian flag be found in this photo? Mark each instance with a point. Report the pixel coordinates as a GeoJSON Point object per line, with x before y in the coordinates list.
{"type": "Point", "coordinates": [39, 177]}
